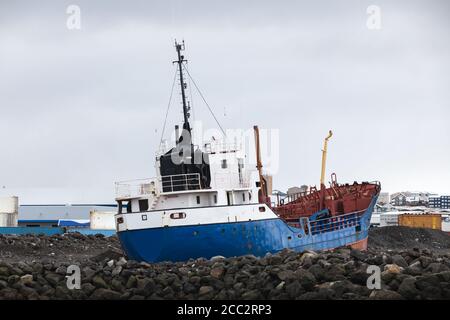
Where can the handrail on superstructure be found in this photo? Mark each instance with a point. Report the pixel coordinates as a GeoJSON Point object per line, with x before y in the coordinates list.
{"type": "Point", "coordinates": [163, 184]}
{"type": "Point", "coordinates": [180, 182]}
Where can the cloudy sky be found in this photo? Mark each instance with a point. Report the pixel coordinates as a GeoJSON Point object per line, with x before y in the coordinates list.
{"type": "Point", "coordinates": [82, 108]}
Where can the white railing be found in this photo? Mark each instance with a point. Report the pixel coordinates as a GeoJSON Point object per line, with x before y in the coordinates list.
{"type": "Point", "coordinates": [147, 186]}
{"type": "Point", "coordinates": [222, 147]}
{"type": "Point", "coordinates": [135, 188]}
{"type": "Point", "coordinates": [180, 182]}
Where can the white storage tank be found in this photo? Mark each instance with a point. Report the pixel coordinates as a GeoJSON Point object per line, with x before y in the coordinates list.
{"type": "Point", "coordinates": [375, 220]}
{"type": "Point", "coordinates": [102, 220]}
{"type": "Point", "coordinates": [446, 223]}
{"type": "Point", "coordinates": [9, 211]}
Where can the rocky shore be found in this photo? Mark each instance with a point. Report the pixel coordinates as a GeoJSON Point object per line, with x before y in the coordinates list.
{"type": "Point", "coordinates": [34, 267]}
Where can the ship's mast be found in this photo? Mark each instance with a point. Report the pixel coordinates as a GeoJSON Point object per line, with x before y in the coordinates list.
{"type": "Point", "coordinates": [180, 47]}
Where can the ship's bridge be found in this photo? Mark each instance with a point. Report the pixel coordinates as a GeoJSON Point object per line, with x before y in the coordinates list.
{"type": "Point", "coordinates": [230, 183]}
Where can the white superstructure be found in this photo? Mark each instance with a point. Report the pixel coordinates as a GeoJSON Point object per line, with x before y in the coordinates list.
{"type": "Point", "coordinates": [210, 183]}
{"type": "Point", "coordinates": [232, 183]}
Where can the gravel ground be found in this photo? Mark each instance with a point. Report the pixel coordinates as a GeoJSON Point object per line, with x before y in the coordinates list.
{"type": "Point", "coordinates": [70, 247]}
{"type": "Point", "coordinates": [415, 264]}
{"type": "Point", "coordinates": [400, 238]}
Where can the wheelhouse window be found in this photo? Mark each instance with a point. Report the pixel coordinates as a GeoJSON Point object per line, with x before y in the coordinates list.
{"type": "Point", "coordinates": [143, 205]}
{"type": "Point", "coordinates": [125, 207]}
{"type": "Point", "coordinates": [224, 164]}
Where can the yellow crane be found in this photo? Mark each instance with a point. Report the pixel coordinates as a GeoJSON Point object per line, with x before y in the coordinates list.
{"type": "Point", "coordinates": [324, 158]}
{"type": "Point", "coordinates": [262, 182]}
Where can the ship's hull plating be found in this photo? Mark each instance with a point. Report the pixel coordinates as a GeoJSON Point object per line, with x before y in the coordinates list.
{"type": "Point", "coordinates": [239, 238]}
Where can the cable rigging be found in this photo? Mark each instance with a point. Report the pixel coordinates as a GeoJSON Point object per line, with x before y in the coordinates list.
{"type": "Point", "coordinates": [204, 100]}
{"type": "Point", "coordinates": [168, 106]}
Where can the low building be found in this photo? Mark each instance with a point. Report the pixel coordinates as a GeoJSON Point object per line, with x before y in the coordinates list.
{"type": "Point", "coordinates": [413, 200]}
{"type": "Point", "coordinates": [445, 202]}
{"type": "Point", "coordinates": [385, 208]}
{"type": "Point", "coordinates": [297, 190]}
{"type": "Point", "coordinates": [49, 215]}
{"type": "Point", "coordinates": [388, 219]}
{"type": "Point", "coordinates": [410, 199]}
{"type": "Point", "coordinates": [384, 198]}
{"type": "Point", "coordinates": [398, 199]}
{"type": "Point", "coordinates": [439, 202]}
{"type": "Point", "coordinates": [434, 201]}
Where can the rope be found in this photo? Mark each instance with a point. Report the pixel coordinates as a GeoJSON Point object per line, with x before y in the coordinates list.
{"type": "Point", "coordinates": [204, 100]}
{"type": "Point", "coordinates": [168, 106]}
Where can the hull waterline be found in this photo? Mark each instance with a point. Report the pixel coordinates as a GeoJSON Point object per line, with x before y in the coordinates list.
{"type": "Point", "coordinates": [258, 237]}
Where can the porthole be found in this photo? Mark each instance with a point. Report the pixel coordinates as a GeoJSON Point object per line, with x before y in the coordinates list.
{"type": "Point", "coordinates": [262, 209]}
{"type": "Point", "coordinates": [178, 215]}
{"type": "Point", "coordinates": [144, 217]}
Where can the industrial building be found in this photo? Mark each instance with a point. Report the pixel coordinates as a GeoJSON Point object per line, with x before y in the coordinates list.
{"type": "Point", "coordinates": [48, 215]}
{"type": "Point", "coordinates": [439, 202]}
{"type": "Point", "coordinates": [384, 198]}
{"type": "Point", "coordinates": [408, 198]}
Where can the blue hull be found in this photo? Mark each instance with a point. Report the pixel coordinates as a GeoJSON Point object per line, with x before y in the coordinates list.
{"type": "Point", "coordinates": [241, 238]}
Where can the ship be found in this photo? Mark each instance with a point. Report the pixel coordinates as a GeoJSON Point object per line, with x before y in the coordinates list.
{"type": "Point", "coordinates": [206, 201]}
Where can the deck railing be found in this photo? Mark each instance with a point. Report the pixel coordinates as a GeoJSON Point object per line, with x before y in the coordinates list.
{"type": "Point", "coordinates": [135, 188]}
{"type": "Point", "coordinates": [335, 223]}
{"type": "Point", "coordinates": [169, 183]}
{"type": "Point", "coordinates": [329, 224]}
{"type": "Point", "coordinates": [222, 147]}
{"type": "Point", "coordinates": [180, 182]}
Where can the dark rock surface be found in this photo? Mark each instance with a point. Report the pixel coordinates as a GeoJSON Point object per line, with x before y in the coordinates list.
{"type": "Point", "coordinates": [404, 238]}
{"type": "Point", "coordinates": [420, 271]}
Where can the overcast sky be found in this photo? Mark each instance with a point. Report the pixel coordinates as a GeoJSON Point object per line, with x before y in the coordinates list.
{"type": "Point", "coordinates": [81, 109]}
